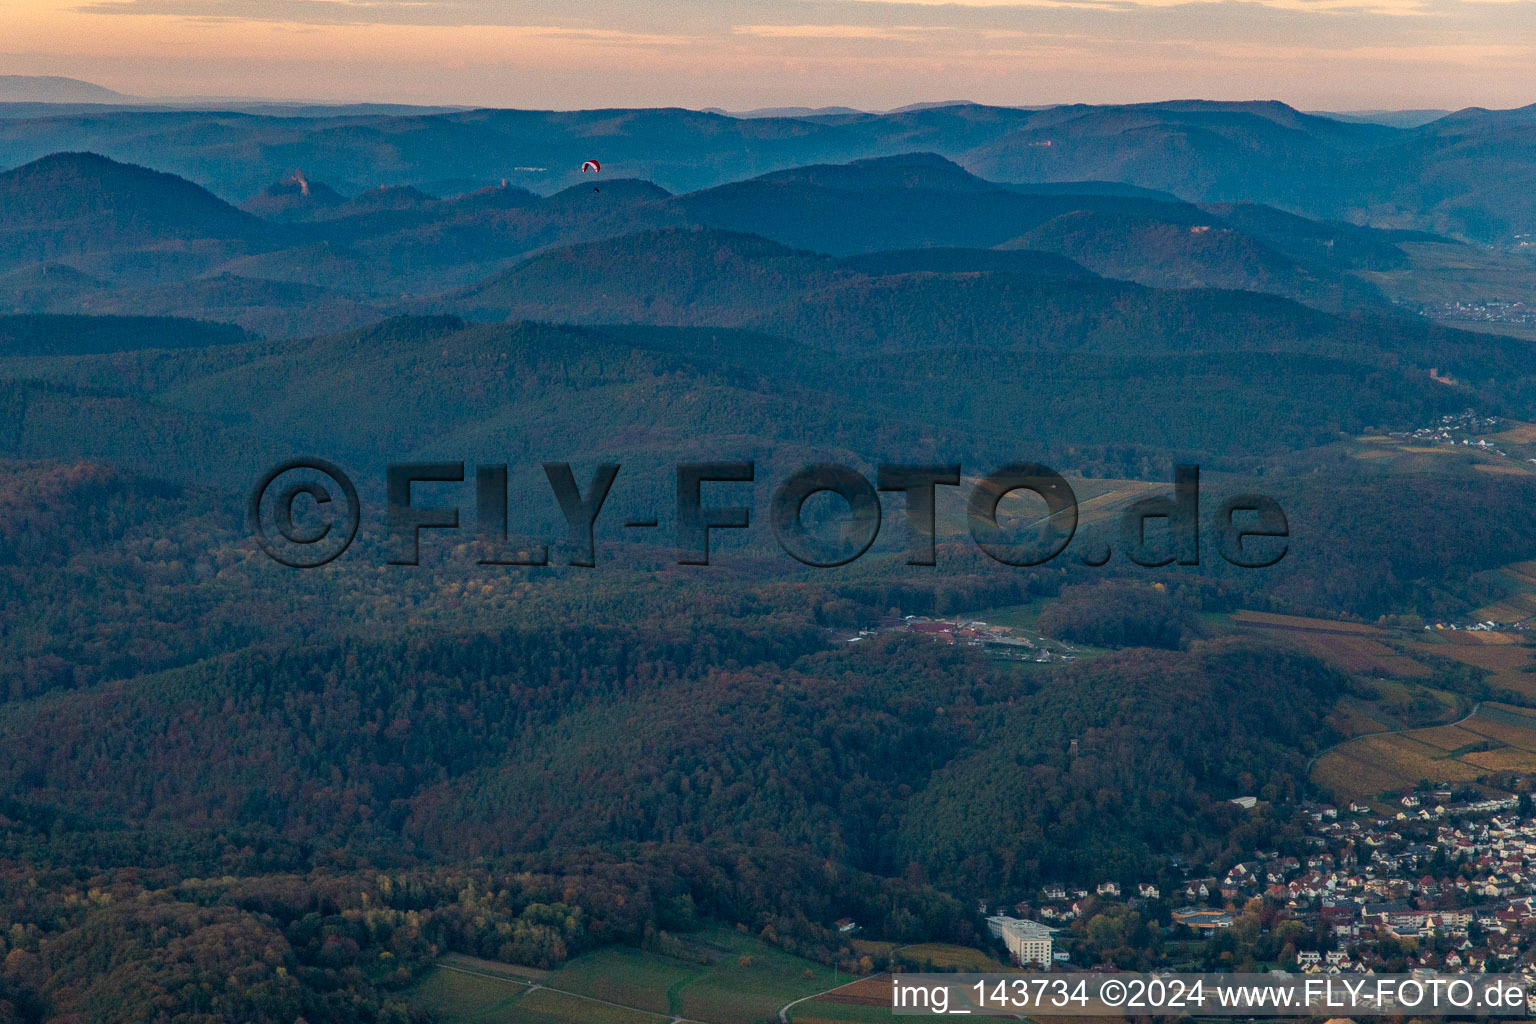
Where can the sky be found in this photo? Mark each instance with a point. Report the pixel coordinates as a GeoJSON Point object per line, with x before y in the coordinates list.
{"type": "Point", "coordinates": [743, 54]}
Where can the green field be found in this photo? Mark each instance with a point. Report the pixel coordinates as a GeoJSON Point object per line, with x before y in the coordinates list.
{"type": "Point", "coordinates": [630, 976]}
{"type": "Point", "coordinates": [1018, 617]}
{"type": "Point", "coordinates": [542, 1006]}
{"type": "Point", "coordinates": [815, 1011]}
{"type": "Point", "coordinates": [451, 995]}
{"type": "Point", "coordinates": [726, 978]}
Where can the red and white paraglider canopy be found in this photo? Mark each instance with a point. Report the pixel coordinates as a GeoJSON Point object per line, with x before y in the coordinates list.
{"type": "Point", "coordinates": [593, 166]}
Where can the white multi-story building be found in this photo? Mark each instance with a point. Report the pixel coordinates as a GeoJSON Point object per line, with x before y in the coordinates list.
{"type": "Point", "coordinates": [1028, 942]}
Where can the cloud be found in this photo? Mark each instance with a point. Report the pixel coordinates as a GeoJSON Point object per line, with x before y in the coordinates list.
{"type": "Point", "coordinates": [1005, 4]}
{"type": "Point", "coordinates": [1463, 54]}
{"type": "Point", "coordinates": [414, 13]}
{"type": "Point", "coordinates": [1395, 8]}
{"type": "Point", "coordinates": [898, 32]}
{"type": "Point", "coordinates": [601, 35]}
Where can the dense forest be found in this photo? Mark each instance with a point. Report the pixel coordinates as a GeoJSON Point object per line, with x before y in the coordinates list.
{"type": "Point", "coordinates": [332, 785]}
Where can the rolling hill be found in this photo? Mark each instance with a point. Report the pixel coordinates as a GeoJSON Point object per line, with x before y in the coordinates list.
{"type": "Point", "coordinates": [1467, 174]}
{"type": "Point", "coordinates": [1168, 254]}
{"type": "Point", "coordinates": [130, 240]}
{"type": "Point", "coordinates": [846, 366]}
{"type": "Point", "coordinates": [71, 204]}
{"type": "Point", "coordinates": [1223, 152]}
{"type": "Point", "coordinates": [672, 276]}
{"type": "Point", "coordinates": [901, 202]}
{"type": "Point", "coordinates": [294, 198]}
{"type": "Point", "coordinates": [69, 190]}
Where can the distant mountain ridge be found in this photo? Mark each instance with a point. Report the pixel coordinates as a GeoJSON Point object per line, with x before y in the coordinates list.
{"type": "Point", "coordinates": [80, 233]}
{"type": "Point", "coordinates": [54, 89]}
{"type": "Point", "coordinates": [1470, 174]}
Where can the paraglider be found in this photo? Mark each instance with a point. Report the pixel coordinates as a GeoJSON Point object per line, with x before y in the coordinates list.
{"type": "Point", "coordinates": [595, 168]}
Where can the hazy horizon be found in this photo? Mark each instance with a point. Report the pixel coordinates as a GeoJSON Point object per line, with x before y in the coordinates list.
{"type": "Point", "coordinates": [739, 55]}
{"type": "Point", "coordinates": [195, 101]}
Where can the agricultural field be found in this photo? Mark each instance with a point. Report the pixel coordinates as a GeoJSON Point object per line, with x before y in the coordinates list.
{"type": "Point", "coordinates": [1017, 617]}
{"type": "Point", "coordinates": [510, 972]}
{"type": "Point", "coordinates": [1515, 432]}
{"type": "Point", "coordinates": [543, 1006]}
{"type": "Point", "coordinates": [1394, 722]}
{"type": "Point", "coordinates": [1518, 580]}
{"type": "Point", "coordinates": [454, 996]}
{"type": "Point", "coordinates": [625, 975]}
{"type": "Point", "coordinates": [1271, 620]}
{"type": "Point", "coordinates": [1098, 498]}
{"type": "Point", "coordinates": [458, 994]}
{"type": "Point", "coordinates": [868, 999]}
{"type": "Point", "coordinates": [1496, 738]}
{"type": "Point", "coordinates": [1351, 646]}
{"type": "Point", "coordinates": [1364, 656]}
{"type": "Point", "coordinates": [1389, 705]}
{"type": "Point", "coordinates": [1506, 722]}
{"type": "Point", "coordinates": [1364, 768]}
{"type": "Point", "coordinates": [1021, 618]}
{"type": "Point", "coordinates": [1505, 663]}
{"type": "Point", "coordinates": [946, 957]}
{"type": "Point", "coordinates": [822, 1011]}
{"type": "Point", "coordinates": [869, 947]}
{"type": "Point", "coordinates": [1442, 272]}
{"type": "Point", "coordinates": [1406, 456]}
{"type": "Point", "coordinates": [1353, 717]}
{"type": "Point", "coordinates": [740, 991]}
{"type": "Point", "coordinates": [727, 978]}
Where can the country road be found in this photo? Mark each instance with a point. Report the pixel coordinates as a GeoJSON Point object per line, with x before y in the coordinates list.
{"type": "Point", "coordinates": [534, 985]}
{"type": "Point", "coordinates": [1383, 732]}
{"type": "Point", "coordinates": [784, 1010]}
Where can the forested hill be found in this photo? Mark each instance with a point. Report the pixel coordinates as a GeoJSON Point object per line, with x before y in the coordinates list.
{"type": "Point", "coordinates": [80, 233]}
{"type": "Point", "coordinates": [731, 733]}
{"type": "Point", "coordinates": [1468, 173]}
{"type": "Point", "coordinates": [1273, 377]}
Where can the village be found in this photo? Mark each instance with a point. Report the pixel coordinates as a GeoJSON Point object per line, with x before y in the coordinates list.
{"type": "Point", "coordinates": [1457, 429]}
{"type": "Point", "coordinates": [1445, 882]}
{"type": "Point", "coordinates": [1491, 311]}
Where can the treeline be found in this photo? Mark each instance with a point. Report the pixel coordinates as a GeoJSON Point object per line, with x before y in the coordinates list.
{"type": "Point", "coordinates": [1118, 614]}
{"type": "Point", "coordinates": [59, 335]}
